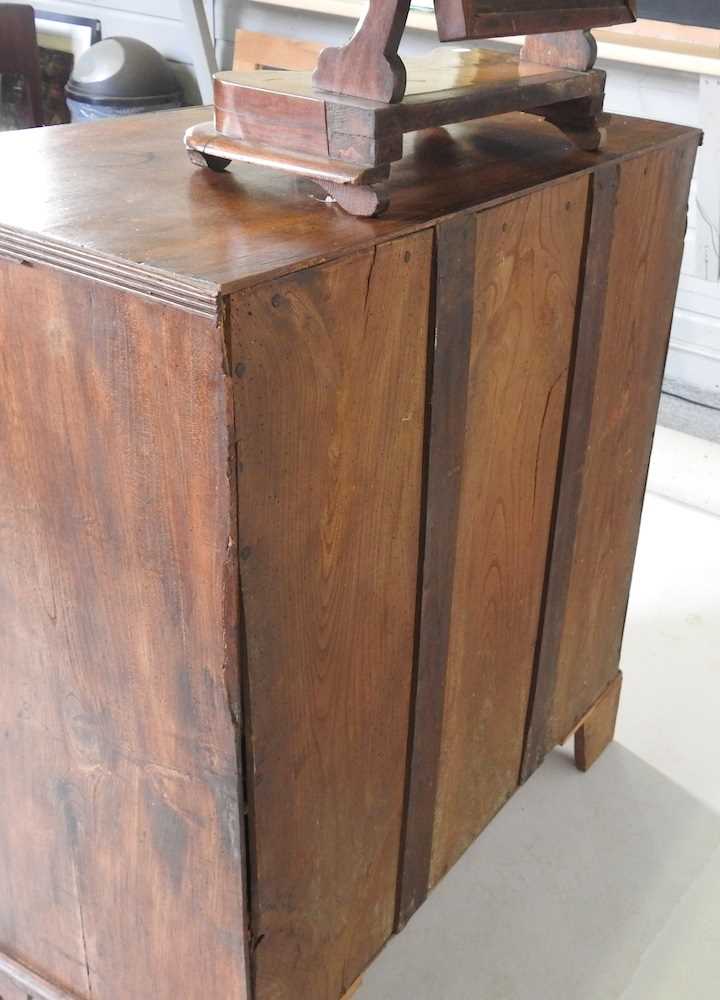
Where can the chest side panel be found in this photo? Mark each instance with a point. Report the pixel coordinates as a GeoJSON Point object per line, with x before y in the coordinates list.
{"type": "Point", "coordinates": [330, 368]}
{"type": "Point", "coordinates": [120, 830]}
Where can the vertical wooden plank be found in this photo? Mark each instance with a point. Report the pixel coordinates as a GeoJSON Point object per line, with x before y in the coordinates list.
{"type": "Point", "coordinates": [330, 368]}
{"type": "Point", "coordinates": [121, 839]}
{"type": "Point", "coordinates": [591, 313]}
{"type": "Point", "coordinates": [454, 300]}
{"type": "Point", "coordinates": [585, 617]}
{"type": "Point", "coordinates": [528, 256]}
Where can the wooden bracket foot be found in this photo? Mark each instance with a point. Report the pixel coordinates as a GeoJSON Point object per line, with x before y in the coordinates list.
{"type": "Point", "coordinates": [581, 121]}
{"type": "Point", "coordinates": [597, 729]}
{"type": "Point", "coordinates": [357, 199]}
{"type": "Point", "coordinates": [200, 159]}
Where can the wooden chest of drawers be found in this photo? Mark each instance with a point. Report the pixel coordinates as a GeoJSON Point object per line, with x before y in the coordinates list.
{"type": "Point", "coordinates": [316, 533]}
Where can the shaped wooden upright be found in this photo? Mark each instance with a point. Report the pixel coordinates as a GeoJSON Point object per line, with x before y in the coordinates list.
{"type": "Point", "coordinates": [343, 125]}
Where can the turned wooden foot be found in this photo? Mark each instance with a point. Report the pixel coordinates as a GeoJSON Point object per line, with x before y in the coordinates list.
{"type": "Point", "coordinates": [200, 159]}
{"type": "Point", "coordinates": [357, 199]}
{"type": "Point", "coordinates": [597, 729]}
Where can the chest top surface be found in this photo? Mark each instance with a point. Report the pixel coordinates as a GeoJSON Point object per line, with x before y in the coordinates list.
{"type": "Point", "coordinates": [119, 200]}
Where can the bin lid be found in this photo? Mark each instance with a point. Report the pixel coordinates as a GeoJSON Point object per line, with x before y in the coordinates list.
{"type": "Point", "coordinates": [122, 71]}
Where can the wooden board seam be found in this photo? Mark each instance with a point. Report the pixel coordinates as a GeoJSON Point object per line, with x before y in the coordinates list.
{"type": "Point", "coordinates": [252, 281]}
{"type": "Point", "coordinates": [177, 289]}
{"type": "Point", "coordinates": [592, 296]}
{"type": "Point", "coordinates": [240, 713]}
{"type": "Point", "coordinates": [235, 646]}
{"type": "Point", "coordinates": [448, 372]}
{"type": "Point", "coordinates": [191, 295]}
{"type": "Point", "coordinates": [597, 526]}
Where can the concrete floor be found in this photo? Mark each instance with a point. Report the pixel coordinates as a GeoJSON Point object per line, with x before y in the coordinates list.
{"type": "Point", "coordinates": [606, 886]}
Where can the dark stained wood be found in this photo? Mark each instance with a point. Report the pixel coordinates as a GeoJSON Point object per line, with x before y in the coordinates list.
{"type": "Point", "coordinates": [523, 322]}
{"type": "Point", "coordinates": [17, 982]}
{"type": "Point", "coordinates": [462, 19]}
{"type": "Point", "coordinates": [597, 729]}
{"type": "Point", "coordinates": [270, 111]}
{"type": "Point", "coordinates": [186, 236]}
{"type": "Point", "coordinates": [358, 200]}
{"type": "Point", "coordinates": [565, 49]}
{"type": "Point", "coordinates": [279, 112]}
{"type": "Point", "coordinates": [205, 140]}
{"type": "Point", "coordinates": [579, 121]}
{"type": "Point", "coordinates": [330, 374]}
{"type": "Point", "coordinates": [454, 299]}
{"type": "Point", "coordinates": [122, 863]}
{"type": "Point", "coordinates": [278, 119]}
{"type": "Point", "coordinates": [592, 566]}
{"type": "Point", "coordinates": [368, 65]}
{"type": "Point", "coordinates": [201, 158]}
{"type": "Point", "coordinates": [571, 470]}
{"type": "Point", "coordinates": [223, 489]}
{"type": "Point", "coordinates": [19, 54]}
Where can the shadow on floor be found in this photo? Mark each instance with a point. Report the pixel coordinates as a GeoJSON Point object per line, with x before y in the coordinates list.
{"type": "Point", "coordinates": [561, 895]}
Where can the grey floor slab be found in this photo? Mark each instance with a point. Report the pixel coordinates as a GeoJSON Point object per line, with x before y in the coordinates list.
{"type": "Point", "coordinates": [562, 895]}
{"type": "Point", "coordinates": [683, 963]}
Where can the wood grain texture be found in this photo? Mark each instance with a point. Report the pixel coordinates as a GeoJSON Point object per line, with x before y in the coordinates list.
{"type": "Point", "coordinates": [643, 272]}
{"type": "Point", "coordinates": [212, 233]}
{"type": "Point", "coordinates": [461, 19]}
{"type": "Point", "coordinates": [597, 729]}
{"type": "Point", "coordinates": [122, 865]}
{"type": "Point", "coordinates": [571, 49]}
{"type": "Point", "coordinates": [330, 393]}
{"type": "Point", "coordinates": [573, 462]}
{"type": "Point", "coordinates": [527, 273]}
{"type": "Point", "coordinates": [368, 65]}
{"type": "Point", "coordinates": [19, 55]}
{"type": "Point", "coordinates": [454, 301]}
{"type": "Point", "coordinates": [284, 112]}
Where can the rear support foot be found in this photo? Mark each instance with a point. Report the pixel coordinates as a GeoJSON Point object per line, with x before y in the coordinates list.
{"type": "Point", "coordinates": [581, 121]}
{"type": "Point", "coordinates": [597, 729]}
